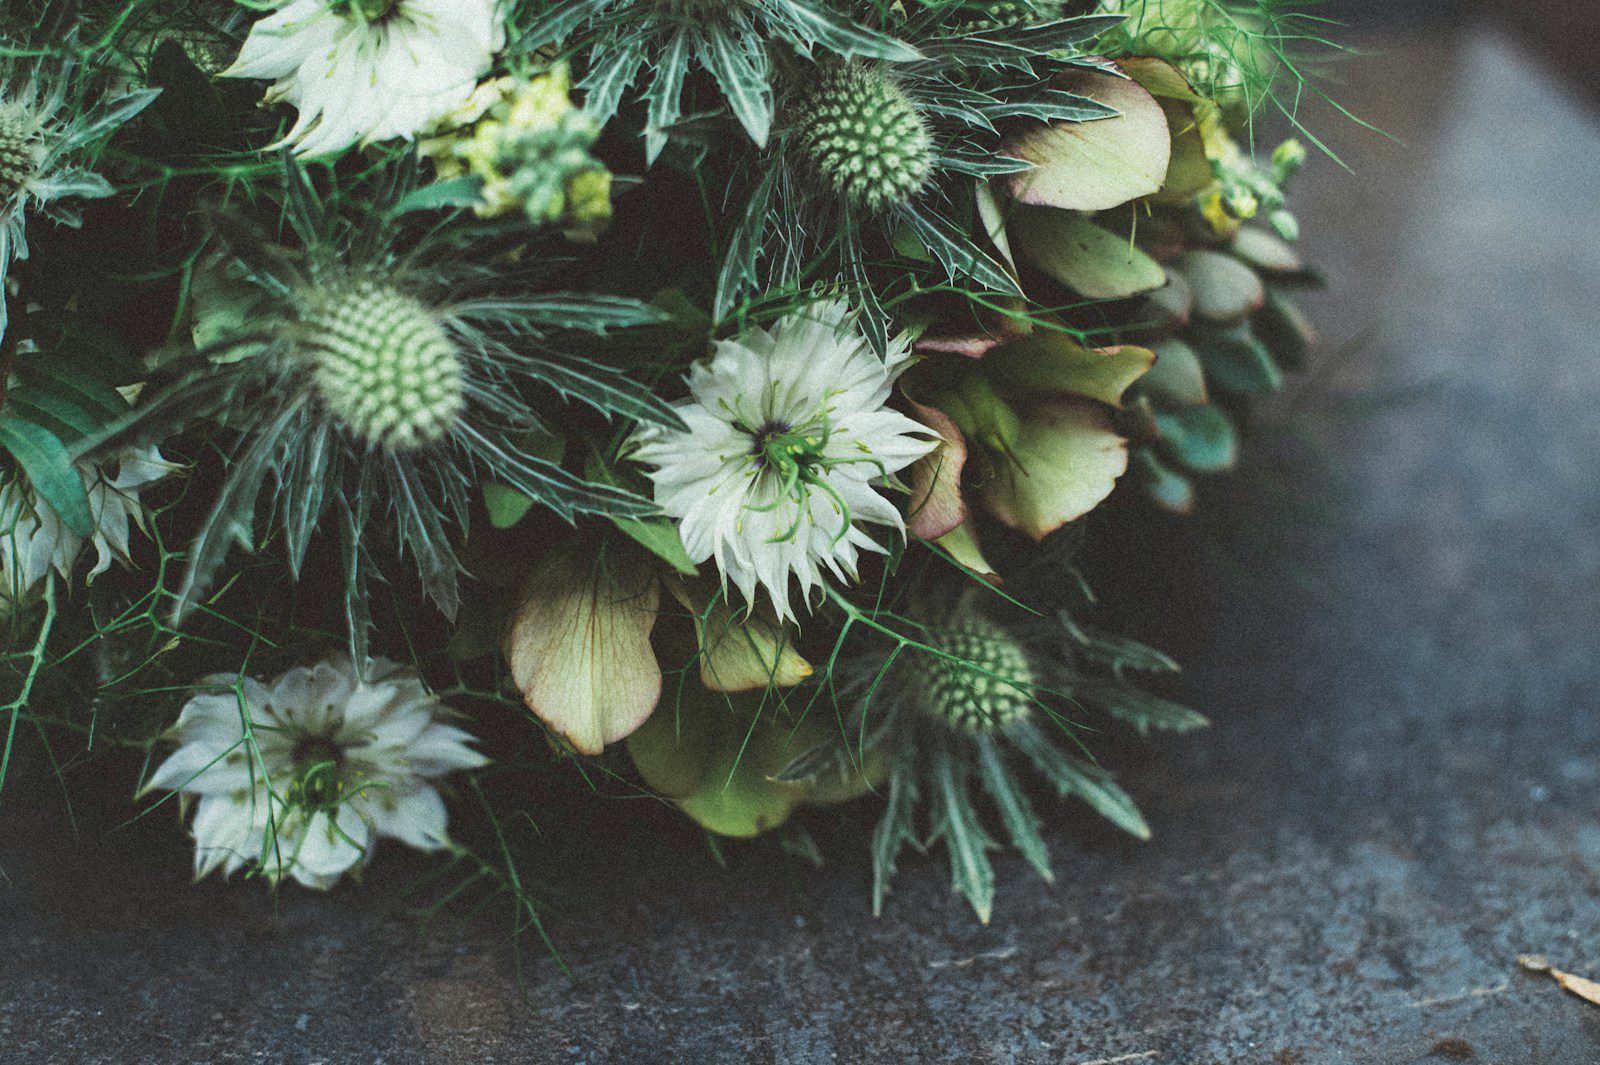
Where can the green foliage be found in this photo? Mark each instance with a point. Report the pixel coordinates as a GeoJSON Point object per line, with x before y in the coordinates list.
{"type": "Point", "coordinates": [347, 464]}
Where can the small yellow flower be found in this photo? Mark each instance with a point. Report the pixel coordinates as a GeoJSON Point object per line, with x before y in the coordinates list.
{"type": "Point", "coordinates": [528, 144]}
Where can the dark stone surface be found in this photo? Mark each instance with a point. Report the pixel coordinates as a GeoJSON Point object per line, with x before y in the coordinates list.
{"type": "Point", "coordinates": [1398, 797]}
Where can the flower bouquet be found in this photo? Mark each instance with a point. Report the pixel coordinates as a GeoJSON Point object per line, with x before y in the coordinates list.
{"type": "Point", "coordinates": [472, 401]}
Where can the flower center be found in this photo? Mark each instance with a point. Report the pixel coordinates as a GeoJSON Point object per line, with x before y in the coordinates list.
{"type": "Point", "coordinates": [319, 776]}
{"type": "Point", "coordinates": [797, 459]}
{"type": "Point", "coordinates": [366, 10]}
{"type": "Point", "coordinates": [776, 446]}
{"type": "Point", "coordinates": [384, 365]}
{"type": "Point", "coordinates": [987, 688]}
{"type": "Point", "coordinates": [861, 135]}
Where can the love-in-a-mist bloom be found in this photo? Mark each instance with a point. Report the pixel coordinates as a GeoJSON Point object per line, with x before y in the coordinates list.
{"type": "Point", "coordinates": [787, 447]}
{"type": "Point", "coordinates": [300, 777]}
{"type": "Point", "coordinates": [370, 70]}
{"type": "Point", "coordinates": [34, 539]}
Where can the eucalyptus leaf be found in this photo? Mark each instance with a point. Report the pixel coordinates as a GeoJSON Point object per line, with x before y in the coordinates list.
{"type": "Point", "coordinates": [465, 191]}
{"type": "Point", "coordinates": [1202, 438]}
{"type": "Point", "coordinates": [660, 537]}
{"type": "Point", "coordinates": [50, 470]}
{"type": "Point", "coordinates": [1236, 361]}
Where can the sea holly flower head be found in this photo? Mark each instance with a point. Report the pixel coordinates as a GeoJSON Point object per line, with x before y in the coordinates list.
{"type": "Point", "coordinates": [987, 681]}
{"type": "Point", "coordinates": [862, 136]}
{"type": "Point", "coordinates": [370, 70]}
{"type": "Point", "coordinates": [44, 126]}
{"type": "Point", "coordinates": [384, 365]}
{"type": "Point", "coordinates": [787, 444]}
{"type": "Point", "coordinates": [376, 375]}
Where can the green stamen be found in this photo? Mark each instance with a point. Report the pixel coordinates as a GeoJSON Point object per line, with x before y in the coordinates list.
{"type": "Point", "coordinates": [366, 10]}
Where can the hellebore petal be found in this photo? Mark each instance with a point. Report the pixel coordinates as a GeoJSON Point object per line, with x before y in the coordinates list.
{"type": "Point", "coordinates": [994, 221]}
{"type": "Point", "coordinates": [579, 649]}
{"type": "Point", "coordinates": [745, 652]}
{"type": "Point", "coordinates": [1050, 362]}
{"type": "Point", "coordinates": [1082, 256]}
{"type": "Point", "coordinates": [1163, 80]}
{"type": "Point", "coordinates": [1092, 166]}
{"type": "Point", "coordinates": [1189, 170]}
{"type": "Point", "coordinates": [674, 750]}
{"type": "Point", "coordinates": [936, 506]}
{"type": "Point", "coordinates": [961, 544]}
{"type": "Point", "coordinates": [718, 766]}
{"type": "Point", "coordinates": [1065, 461]}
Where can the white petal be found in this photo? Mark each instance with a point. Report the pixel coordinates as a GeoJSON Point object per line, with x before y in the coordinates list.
{"type": "Point", "coordinates": [414, 816]}
{"type": "Point", "coordinates": [330, 847]}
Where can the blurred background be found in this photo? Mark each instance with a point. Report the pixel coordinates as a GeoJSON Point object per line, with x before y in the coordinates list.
{"type": "Point", "coordinates": [1398, 796]}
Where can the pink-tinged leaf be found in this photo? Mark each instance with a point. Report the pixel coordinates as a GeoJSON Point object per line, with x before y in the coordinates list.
{"type": "Point", "coordinates": [936, 506]}
{"type": "Point", "coordinates": [972, 346]}
{"type": "Point", "coordinates": [1093, 166]}
{"type": "Point", "coordinates": [579, 649]}
{"type": "Point", "coordinates": [1065, 461]}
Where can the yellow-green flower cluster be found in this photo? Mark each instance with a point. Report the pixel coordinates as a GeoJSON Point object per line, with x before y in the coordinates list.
{"type": "Point", "coordinates": [525, 140]}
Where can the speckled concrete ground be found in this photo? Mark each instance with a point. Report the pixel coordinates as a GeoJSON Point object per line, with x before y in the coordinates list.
{"type": "Point", "coordinates": [1398, 798]}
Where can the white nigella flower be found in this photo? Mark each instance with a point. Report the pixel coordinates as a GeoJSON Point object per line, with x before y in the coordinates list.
{"type": "Point", "coordinates": [370, 70]}
{"type": "Point", "coordinates": [33, 537]}
{"type": "Point", "coordinates": [42, 128]}
{"type": "Point", "coordinates": [788, 442]}
{"type": "Point", "coordinates": [336, 761]}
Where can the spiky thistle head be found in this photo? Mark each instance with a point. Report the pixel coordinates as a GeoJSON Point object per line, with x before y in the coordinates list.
{"type": "Point", "coordinates": [383, 364]}
{"type": "Point", "coordinates": [988, 687]}
{"type": "Point", "coordinates": [20, 150]}
{"type": "Point", "coordinates": [1003, 14]}
{"type": "Point", "coordinates": [862, 136]}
